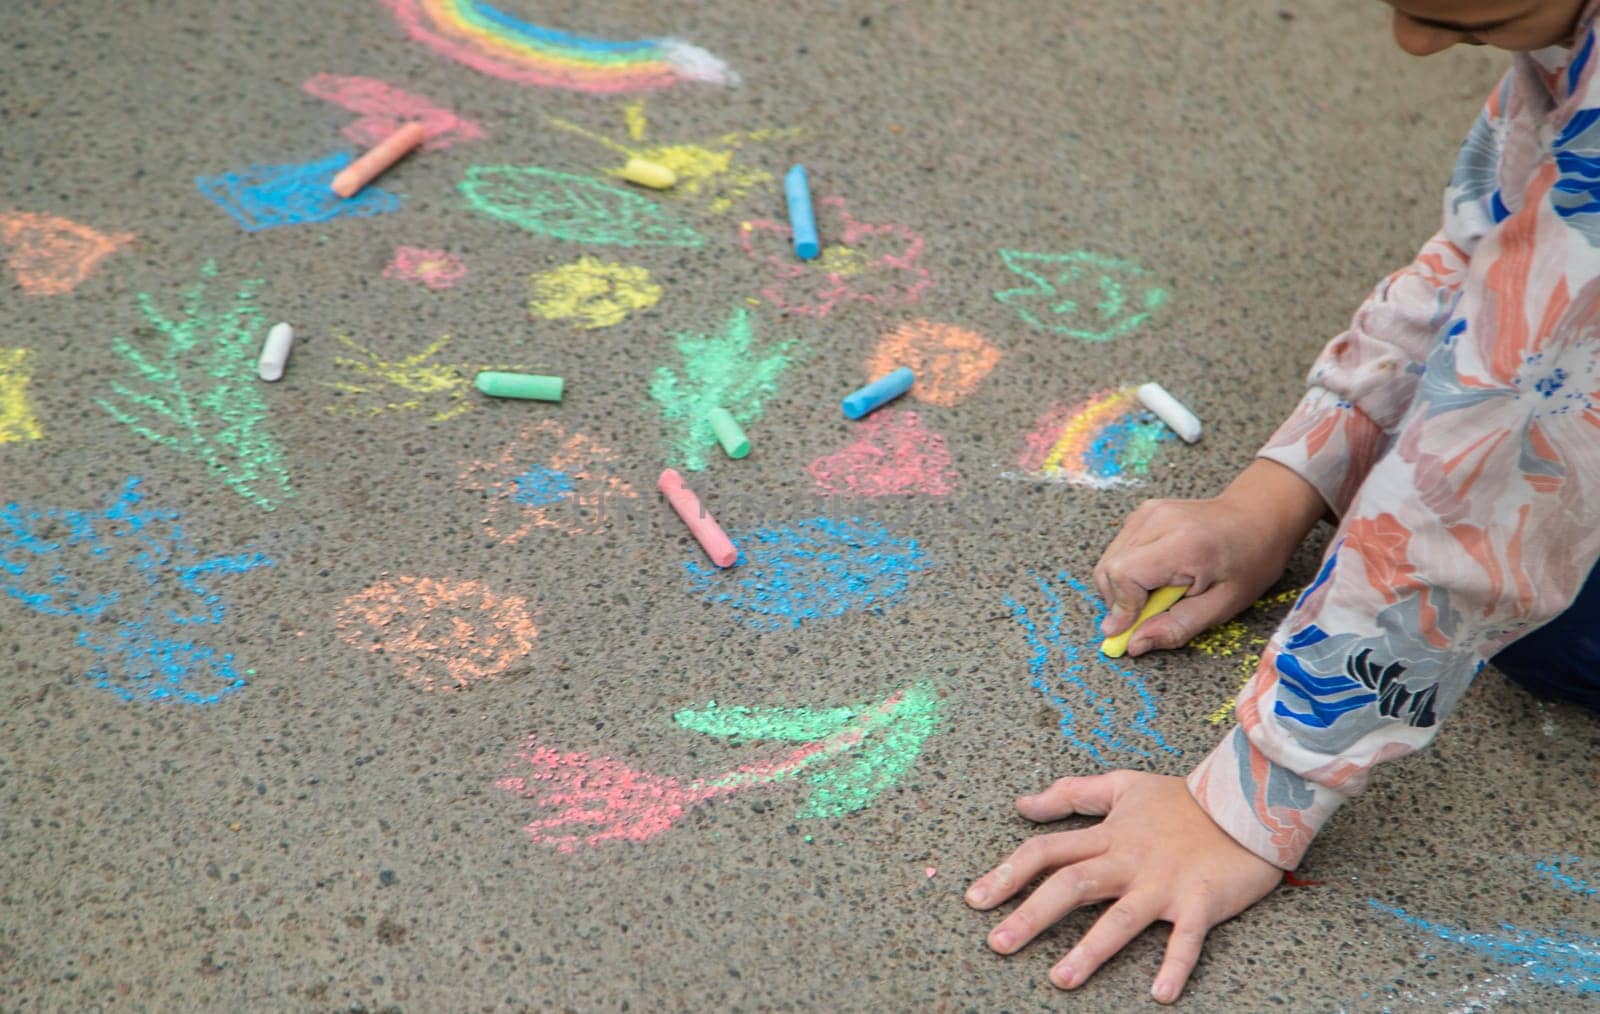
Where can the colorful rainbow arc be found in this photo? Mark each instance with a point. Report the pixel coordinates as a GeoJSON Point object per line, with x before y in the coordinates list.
{"type": "Point", "coordinates": [491, 41]}
{"type": "Point", "coordinates": [1096, 442]}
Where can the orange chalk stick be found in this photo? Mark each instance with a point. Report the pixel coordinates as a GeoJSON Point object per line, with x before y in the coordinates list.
{"type": "Point", "coordinates": [701, 525]}
{"type": "Point", "coordinates": [383, 155]}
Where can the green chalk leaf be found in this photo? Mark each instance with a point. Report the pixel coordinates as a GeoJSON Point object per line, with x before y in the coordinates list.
{"type": "Point", "coordinates": [570, 207]}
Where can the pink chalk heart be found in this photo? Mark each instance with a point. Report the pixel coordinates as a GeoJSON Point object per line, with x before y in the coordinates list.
{"type": "Point", "coordinates": [892, 456]}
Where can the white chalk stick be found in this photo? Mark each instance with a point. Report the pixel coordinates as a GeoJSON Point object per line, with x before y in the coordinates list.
{"type": "Point", "coordinates": [275, 352]}
{"type": "Point", "coordinates": [1172, 412]}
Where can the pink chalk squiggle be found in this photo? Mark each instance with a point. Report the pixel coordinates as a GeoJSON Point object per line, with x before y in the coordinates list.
{"type": "Point", "coordinates": [384, 108]}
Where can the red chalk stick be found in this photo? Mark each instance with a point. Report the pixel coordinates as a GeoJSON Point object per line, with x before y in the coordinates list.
{"type": "Point", "coordinates": [701, 524]}
{"type": "Point", "coordinates": [385, 154]}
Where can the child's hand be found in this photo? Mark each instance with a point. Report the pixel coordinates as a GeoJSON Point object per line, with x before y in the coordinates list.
{"type": "Point", "coordinates": [1156, 853]}
{"type": "Point", "coordinates": [1228, 550]}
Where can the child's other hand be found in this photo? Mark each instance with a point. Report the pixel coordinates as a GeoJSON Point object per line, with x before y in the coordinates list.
{"type": "Point", "coordinates": [1228, 550]}
{"type": "Point", "coordinates": [1156, 854]}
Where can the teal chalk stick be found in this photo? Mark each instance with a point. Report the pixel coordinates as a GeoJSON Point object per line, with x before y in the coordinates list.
{"type": "Point", "coordinates": [729, 433]}
{"type": "Point", "coordinates": [530, 386]}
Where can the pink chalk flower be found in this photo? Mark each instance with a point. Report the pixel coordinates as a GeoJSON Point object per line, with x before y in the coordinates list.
{"type": "Point", "coordinates": [860, 262]}
{"type": "Point", "coordinates": [434, 268]}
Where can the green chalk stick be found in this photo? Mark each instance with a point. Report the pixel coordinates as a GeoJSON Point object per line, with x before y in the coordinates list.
{"type": "Point", "coordinates": [729, 433]}
{"type": "Point", "coordinates": [519, 385]}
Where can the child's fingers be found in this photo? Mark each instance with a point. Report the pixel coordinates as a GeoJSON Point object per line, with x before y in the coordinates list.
{"type": "Point", "coordinates": [1183, 953]}
{"type": "Point", "coordinates": [1088, 795]}
{"type": "Point", "coordinates": [1126, 538]}
{"type": "Point", "coordinates": [1182, 623]}
{"type": "Point", "coordinates": [1068, 888]}
{"type": "Point", "coordinates": [1131, 576]}
{"type": "Point", "coordinates": [1033, 857]}
{"type": "Point", "coordinates": [1110, 933]}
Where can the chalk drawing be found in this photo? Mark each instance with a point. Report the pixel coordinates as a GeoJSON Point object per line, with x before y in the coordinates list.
{"type": "Point", "coordinates": [874, 264]}
{"type": "Point", "coordinates": [572, 491]}
{"type": "Point", "coordinates": [1105, 707]}
{"type": "Point", "coordinates": [573, 208]}
{"type": "Point", "coordinates": [1235, 638]}
{"type": "Point", "coordinates": [196, 391]}
{"type": "Point", "coordinates": [723, 369]}
{"type": "Point", "coordinates": [708, 174]}
{"type": "Point", "coordinates": [816, 568]}
{"type": "Point", "coordinates": [50, 255]}
{"type": "Point", "coordinates": [385, 108]}
{"type": "Point", "coordinates": [435, 269]}
{"type": "Point", "coordinates": [414, 383]}
{"type": "Point", "coordinates": [491, 41]}
{"type": "Point", "coordinates": [1080, 294]}
{"type": "Point", "coordinates": [266, 196]}
{"type": "Point", "coordinates": [1106, 440]}
{"type": "Point", "coordinates": [949, 361]}
{"type": "Point", "coordinates": [75, 564]}
{"type": "Point", "coordinates": [591, 293]}
{"type": "Point", "coordinates": [441, 634]}
{"type": "Point", "coordinates": [1560, 871]}
{"type": "Point", "coordinates": [1563, 959]}
{"type": "Point", "coordinates": [597, 799]}
{"type": "Point", "coordinates": [17, 421]}
{"type": "Point", "coordinates": [892, 455]}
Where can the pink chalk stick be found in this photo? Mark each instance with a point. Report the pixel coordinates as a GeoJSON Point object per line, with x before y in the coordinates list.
{"type": "Point", "coordinates": [380, 157]}
{"type": "Point", "coordinates": [701, 524]}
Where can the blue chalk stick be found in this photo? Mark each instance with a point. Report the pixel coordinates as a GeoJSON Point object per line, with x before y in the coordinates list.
{"type": "Point", "coordinates": [885, 389]}
{"type": "Point", "coordinates": [801, 220]}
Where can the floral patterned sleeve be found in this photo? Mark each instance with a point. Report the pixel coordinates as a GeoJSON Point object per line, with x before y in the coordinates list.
{"type": "Point", "coordinates": [1456, 430]}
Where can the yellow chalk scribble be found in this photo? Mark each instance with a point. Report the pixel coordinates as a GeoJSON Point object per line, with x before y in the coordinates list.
{"type": "Point", "coordinates": [841, 260]}
{"type": "Point", "coordinates": [1235, 638]}
{"type": "Point", "coordinates": [17, 421]}
{"type": "Point", "coordinates": [592, 293]}
{"type": "Point", "coordinates": [429, 383]}
{"type": "Point", "coordinates": [707, 173]}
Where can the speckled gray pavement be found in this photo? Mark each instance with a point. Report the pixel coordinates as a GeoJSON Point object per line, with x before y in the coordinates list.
{"type": "Point", "coordinates": [332, 836]}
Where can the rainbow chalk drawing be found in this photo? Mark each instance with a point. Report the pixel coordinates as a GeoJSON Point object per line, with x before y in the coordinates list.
{"type": "Point", "coordinates": [719, 370]}
{"type": "Point", "coordinates": [949, 361]}
{"type": "Point", "coordinates": [130, 575]}
{"type": "Point", "coordinates": [893, 455]}
{"type": "Point", "coordinates": [707, 173]}
{"type": "Point", "coordinates": [1106, 440]}
{"type": "Point", "coordinates": [873, 264]}
{"type": "Point", "coordinates": [196, 392]}
{"type": "Point", "coordinates": [1236, 638]}
{"type": "Point", "coordinates": [572, 208]}
{"type": "Point", "coordinates": [572, 490]}
{"type": "Point", "coordinates": [810, 570]}
{"type": "Point", "coordinates": [591, 293]}
{"type": "Point", "coordinates": [596, 800]}
{"type": "Point", "coordinates": [1563, 959]}
{"type": "Point", "coordinates": [1084, 686]}
{"type": "Point", "coordinates": [436, 269]}
{"type": "Point", "coordinates": [384, 108]}
{"type": "Point", "coordinates": [266, 196]}
{"type": "Point", "coordinates": [17, 421]}
{"type": "Point", "coordinates": [441, 634]}
{"type": "Point", "coordinates": [51, 256]}
{"type": "Point", "coordinates": [414, 383]}
{"type": "Point", "coordinates": [490, 41]}
{"type": "Point", "coordinates": [1080, 295]}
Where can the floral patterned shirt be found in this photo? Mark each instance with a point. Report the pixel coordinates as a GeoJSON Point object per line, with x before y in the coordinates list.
{"type": "Point", "coordinates": [1455, 431]}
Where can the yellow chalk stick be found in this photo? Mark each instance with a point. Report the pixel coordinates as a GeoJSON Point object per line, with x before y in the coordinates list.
{"type": "Point", "coordinates": [1160, 601]}
{"type": "Point", "coordinates": [649, 174]}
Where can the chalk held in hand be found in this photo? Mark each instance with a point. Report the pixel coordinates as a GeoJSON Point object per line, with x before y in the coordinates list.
{"type": "Point", "coordinates": [649, 174]}
{"type": "Point", "coordinates": [380, 157]}
{"type": "Point", "coordinates": [275, 352]}
{"type": "Point", "coordinates": [701, 525]}
{"type": "Point", "coordinates": [802, 222]}
{"type": "Point", "coordinates": [530, 386]}
{"type": "Point", "coordinates": [881, 391]}
{"type": "Point", "coordinates": [1172, 412]}
{"type": "Point", "coordinates": [729, 433]}
{"type": "Point", "coordinates": [1160, 601]}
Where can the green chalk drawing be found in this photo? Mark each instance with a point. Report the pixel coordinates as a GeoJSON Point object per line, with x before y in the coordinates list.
{"type": "Point", "coordinates": [574, 208]}
{"type": "Point", "coordinates": [882, 743]}
{"type": "Point", "coordinates": [198, 394]}
{"type": "Point", "coordinates": [1144, 442]}
{"type": "Point", "coordinates": [1063, 284]}
{"type": "Point", "coordinates": [718, 370]}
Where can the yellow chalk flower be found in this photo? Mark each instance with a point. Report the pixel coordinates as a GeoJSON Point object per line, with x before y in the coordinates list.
{"type": "Point", "coordinates": [592, 293]}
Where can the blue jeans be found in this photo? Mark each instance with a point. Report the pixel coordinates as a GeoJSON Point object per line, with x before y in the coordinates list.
{"type": "Point", "coordinates": [1562, 658]}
